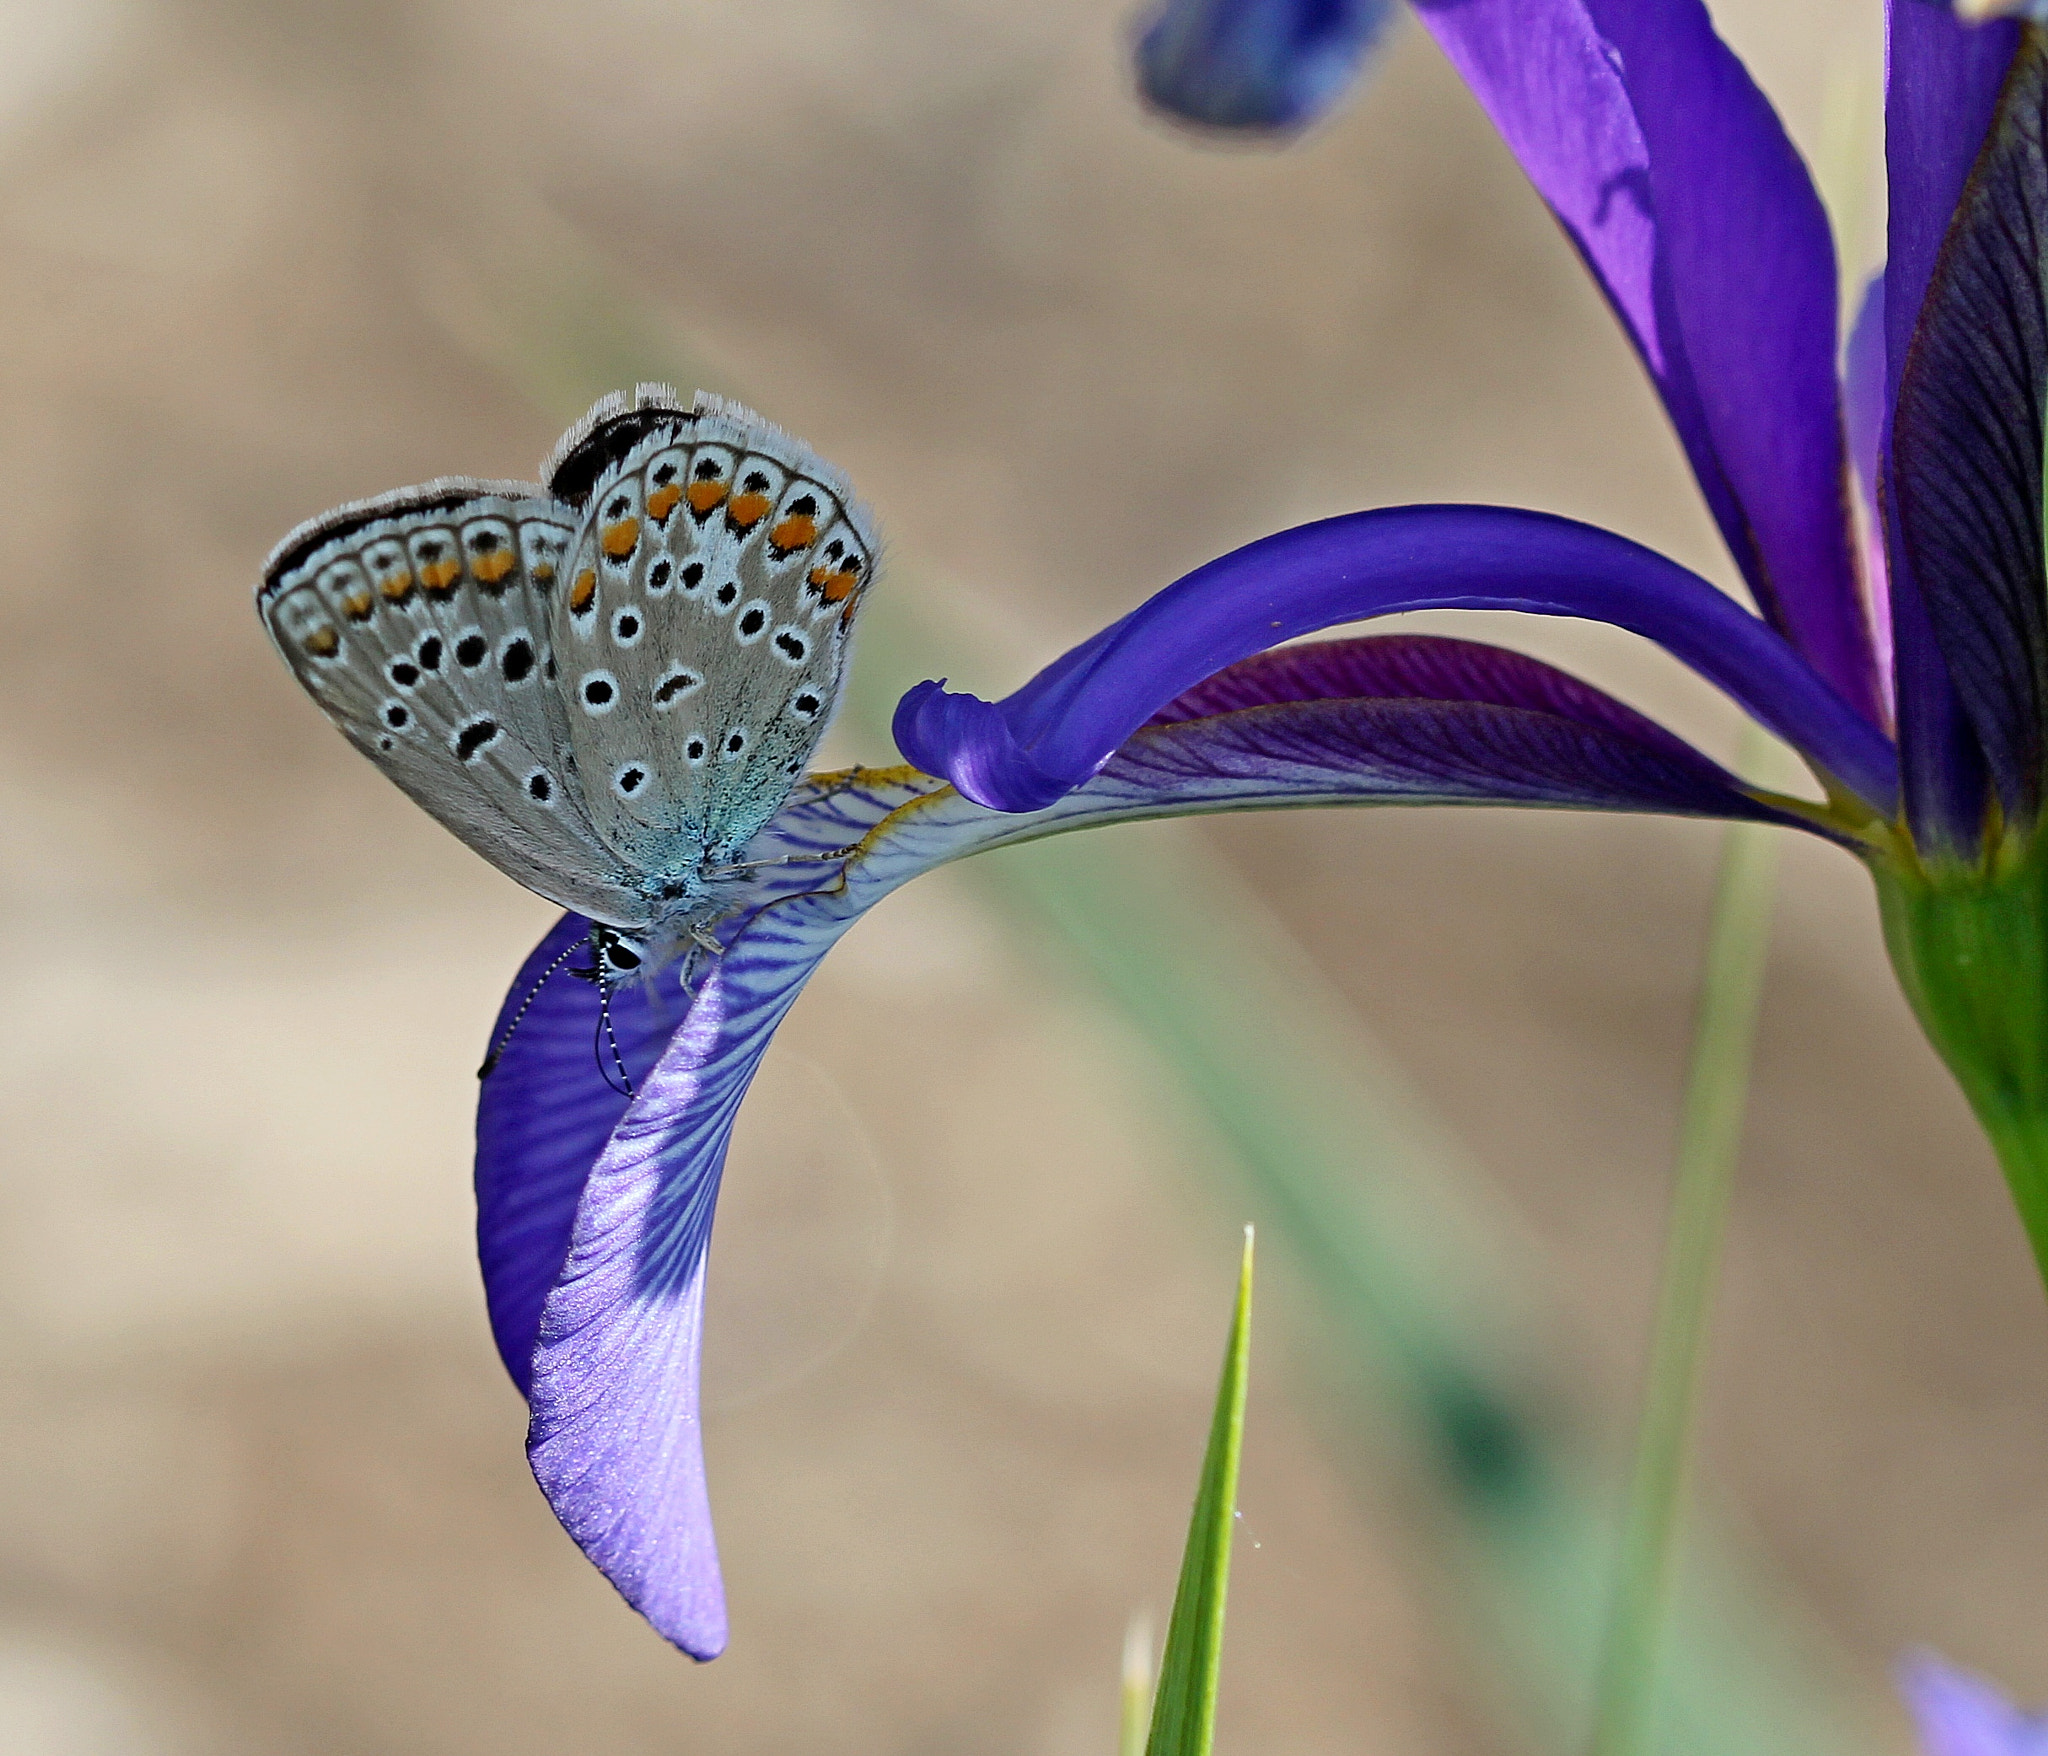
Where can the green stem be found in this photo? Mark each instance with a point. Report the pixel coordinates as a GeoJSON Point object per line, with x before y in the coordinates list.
{"type": "Point", "coordinates": [1710, 1133]}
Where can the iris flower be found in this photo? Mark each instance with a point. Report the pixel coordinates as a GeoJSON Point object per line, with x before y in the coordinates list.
{"type": "Point", "coordinates": [1962, 1715]}
{"type": "Point", "coordinates": [1902, 652]}
{"type": "Point", "coordinates": [1910, 669]}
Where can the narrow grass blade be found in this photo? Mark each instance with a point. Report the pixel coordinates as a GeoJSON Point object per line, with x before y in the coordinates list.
{"type": "Point", "coordinates": [1184, 1709]}
{"type": "Point", "coordinates": [1710, 1136]}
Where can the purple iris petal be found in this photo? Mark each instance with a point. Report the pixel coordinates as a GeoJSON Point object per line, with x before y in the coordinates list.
{"type": "Point", "coordinates": [1672, 174]}
{"type": "Point", "coordinates": [1418, 720]}
{"type": "Point", "coordinates": [1942, 83]}
{"type": "Point", "coordinates": [1261, 65]}
{"type": "Point", "coordinates": [1061, 726]}
{"type": "Point", "coordinates": [1962, 1715]}
{"type": "Point", "coordinates": [544, 1112]}
{"type": "Point", "coordinates": [594, 1214]}
{"type": "Point", "coordinates": [1967, 447]}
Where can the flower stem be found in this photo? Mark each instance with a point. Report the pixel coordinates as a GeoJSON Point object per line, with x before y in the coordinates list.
{"type": "Point", "coordinates": [1710, 1130]}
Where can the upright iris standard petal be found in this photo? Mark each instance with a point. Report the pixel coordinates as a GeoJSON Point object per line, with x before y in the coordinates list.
{"type": "Point", "coordinates": [1962, 1715]}
{"type": "Point", "coordinates": [1263, 66]}
{"type": "Point", "coordinates": [1672, 174]}
{"type": "Point", "coordinates": [1967, 442]}
{"type": "Point", "coordinates": [1061, 726]}
{"type": "Point", "coordinates": [1941, 85]}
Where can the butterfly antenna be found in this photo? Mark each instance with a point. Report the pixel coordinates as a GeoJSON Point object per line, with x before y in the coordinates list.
{"type": "Point", "coordinates": [540, 981]}
{"type": "Point", "coordinates": [624, 1087]}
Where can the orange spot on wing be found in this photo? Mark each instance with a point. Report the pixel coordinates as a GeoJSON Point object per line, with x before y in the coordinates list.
{"type": "Point", "coordinates": [359, 603]}
{"type": "Point", "coordinates": [705, 496]}
{"type": "Point", "coordinates": [833, 586]}
{"type": "Point", "coordinates": [663, 501]}
{"type": "Point", "coordinates": [793, 534]}
{"type": "Point", "coordinates": [324, 642]}
{"type": "Point", "coordinates": [543, 573]}
{"type": "Point", "coordinates": [396, 587]}
{"type": "Point", "coordinates": [620, 539]}
{"type": "Point", "coordinates": [491, 569]}
{"type": "Point", "coordinates": [584, 592]}
{"type": "Point", "coordinates": [747, 510]}
{"type": "Point", "coordinates": [439, 577]}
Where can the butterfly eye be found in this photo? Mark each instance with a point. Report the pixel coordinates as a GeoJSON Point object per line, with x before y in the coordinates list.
{"type": "Point", "coordinates": [619, 955]}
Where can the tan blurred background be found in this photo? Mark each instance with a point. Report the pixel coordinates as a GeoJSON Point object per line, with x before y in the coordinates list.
{"type": "Point", "coordinates": [261, 1471]}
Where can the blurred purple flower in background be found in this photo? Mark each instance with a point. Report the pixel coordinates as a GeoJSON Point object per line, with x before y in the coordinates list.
{"type": "Point", "coordinates": [1257, 66]}
{"type": "Point", "coordinates": [1962, 1715]}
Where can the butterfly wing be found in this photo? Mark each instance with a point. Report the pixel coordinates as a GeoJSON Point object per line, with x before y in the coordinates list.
{"type": "Point", "coordinates": [418, 622]}
{"type": "Point", "coordinates": [703, 632]}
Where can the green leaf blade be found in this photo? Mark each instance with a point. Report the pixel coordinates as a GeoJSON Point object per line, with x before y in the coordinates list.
{"type": "Point", "coordinates": [1184, 1708]}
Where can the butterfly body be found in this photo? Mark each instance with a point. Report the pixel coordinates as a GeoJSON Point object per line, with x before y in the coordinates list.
{"type": "Point", "coordinates": [606, 685]}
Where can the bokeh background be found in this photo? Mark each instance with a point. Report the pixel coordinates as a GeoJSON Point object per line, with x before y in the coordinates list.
{"type": "Point", "coordinates": [261, 1471]}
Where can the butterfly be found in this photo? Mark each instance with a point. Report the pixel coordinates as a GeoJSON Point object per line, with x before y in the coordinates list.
{"type": "Point", "coordinates": [606, 685]}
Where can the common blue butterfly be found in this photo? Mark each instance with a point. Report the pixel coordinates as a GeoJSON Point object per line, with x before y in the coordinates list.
{"type": "Point", "coordinates": [606, 685]}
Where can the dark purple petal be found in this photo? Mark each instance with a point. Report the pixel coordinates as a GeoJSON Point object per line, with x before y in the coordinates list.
{"type": "Point", "coordinates": [1967, 443]}
{"type": "Point", "coordinates": [1059, 728]}
{"type": "Point", "coordinates": [1266, 66]}
{"type": "Point", "coordinates": [1942, 83]}
{"type": "Point", "coordinates": [1962, 1715]}
{"type": "Point", "coordinates": [1672, 174]}
{"type": "Point", "coordinates": [544, 1111]}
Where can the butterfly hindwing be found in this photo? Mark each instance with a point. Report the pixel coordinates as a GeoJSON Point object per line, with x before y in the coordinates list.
{"type": "Point", "coordinates": [419, 624]}
{"type": "Point", "coordinates": [703, 632]}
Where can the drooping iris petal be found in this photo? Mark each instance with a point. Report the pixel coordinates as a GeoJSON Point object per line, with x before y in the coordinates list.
{"type": "Point", "coordinates": [1020, 754]}
{"type": "Point", "coordinates": [1962, 1715]}
{"type": "Point", "coordinates": [1267, 66]}
{"type": "Point", "coordinates": [1967, 442]}
{"type": "Point", "coordinates": [1941, 85]}
{"type": "Point", "coordinates": [1670, 171]}
{"type": "Point", "coordinates": [603, 1208]}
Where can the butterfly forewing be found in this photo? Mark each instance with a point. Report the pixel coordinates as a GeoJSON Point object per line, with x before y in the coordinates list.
{"type": "Point", "coordinates": [606, 686]}
{"type": "Point", "coordinates": [702, 634]}
{"type": "Point", "coordinates": [419, 624]}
